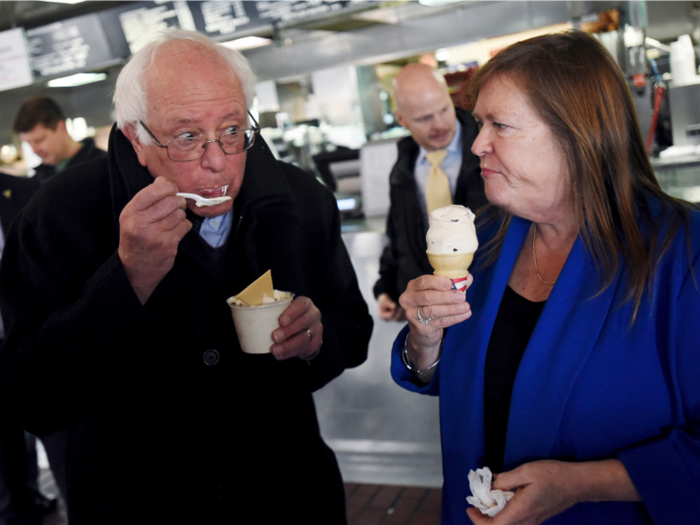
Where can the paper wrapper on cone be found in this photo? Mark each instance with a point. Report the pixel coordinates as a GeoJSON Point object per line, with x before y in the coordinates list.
{"type": "Point", "coordinates": [452, 265]}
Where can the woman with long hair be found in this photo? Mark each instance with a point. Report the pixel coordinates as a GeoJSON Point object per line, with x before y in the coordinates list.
{"type": "Point", "coordinates": [571, 370]}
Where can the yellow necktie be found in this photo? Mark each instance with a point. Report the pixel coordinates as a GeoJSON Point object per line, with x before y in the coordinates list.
{"type": "Point", "coordinates": [437, 189]}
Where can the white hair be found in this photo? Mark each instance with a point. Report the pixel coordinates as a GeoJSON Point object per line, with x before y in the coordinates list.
{"type": "Point", "coordinates": [129, 99]}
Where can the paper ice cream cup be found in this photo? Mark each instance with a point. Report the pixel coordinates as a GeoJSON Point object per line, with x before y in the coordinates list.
{"type": "Point", "coordinates": [255, 324]}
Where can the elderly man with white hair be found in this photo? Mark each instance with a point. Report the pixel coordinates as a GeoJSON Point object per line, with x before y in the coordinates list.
{"type": "Point", "coordinates": [119, 331]}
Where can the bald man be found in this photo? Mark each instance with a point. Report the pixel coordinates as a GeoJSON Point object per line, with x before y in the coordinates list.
{"type": "Point", "coordinates": [425, 108]}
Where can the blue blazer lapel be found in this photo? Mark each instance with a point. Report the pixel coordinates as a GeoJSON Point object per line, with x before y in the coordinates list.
{"type": "Point", "coordinates": [564, 337]}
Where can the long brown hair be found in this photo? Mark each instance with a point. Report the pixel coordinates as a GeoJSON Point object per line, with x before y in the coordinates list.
{"type": "Point", "coordinates": [576, 87]}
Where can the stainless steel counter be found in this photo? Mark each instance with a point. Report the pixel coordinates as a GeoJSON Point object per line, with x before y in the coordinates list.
{"type": "Point", "coordinates": [679, 176]}
{"type": "Point", "coordinates": [380, 432]}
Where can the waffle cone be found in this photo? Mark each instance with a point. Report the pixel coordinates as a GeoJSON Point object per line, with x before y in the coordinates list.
{"type": "Point", "coordinates": [449, 264]}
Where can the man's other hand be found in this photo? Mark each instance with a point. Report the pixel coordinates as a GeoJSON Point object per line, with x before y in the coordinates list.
{"type": "Point", "coordinates": [300, 333]}
{"type": "Point", "coordinates": [390, 310]}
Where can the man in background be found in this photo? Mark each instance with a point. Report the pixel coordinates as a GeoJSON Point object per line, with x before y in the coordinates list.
{"type": "Point", "coordinates": [21, 502]}
{"type": "Point", "coordinates": [435, 167]}
{"type": "Point", "coordinates": [41, 123]}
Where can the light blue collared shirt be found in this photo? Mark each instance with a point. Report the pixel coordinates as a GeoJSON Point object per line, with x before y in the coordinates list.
{"type": "Point", "coordinates": [215, 230]}
{"type": "Point", "coordinates": [451, 166]}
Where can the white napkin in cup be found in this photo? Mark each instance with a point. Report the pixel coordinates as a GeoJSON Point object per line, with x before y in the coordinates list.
{"type": "Point", "coordinates": [488, 501]}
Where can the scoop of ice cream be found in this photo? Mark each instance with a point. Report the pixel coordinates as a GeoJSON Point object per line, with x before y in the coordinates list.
{"type": "Point", "coordinates": [277, 296]}
{"type": "Point", "coordinates": [452, 231]}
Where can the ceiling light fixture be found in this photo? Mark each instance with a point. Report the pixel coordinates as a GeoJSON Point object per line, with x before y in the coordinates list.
{"type": "Point", "coordinates": [77, 80]}
{"type": "Point", "coordinates": [437, 3]}
{"type": "Point", "coordinates": [63, 1]}
{"type": "Point", "coordinates": [442, 55]}
{"type": "Point", "coordinates": [248, 42]}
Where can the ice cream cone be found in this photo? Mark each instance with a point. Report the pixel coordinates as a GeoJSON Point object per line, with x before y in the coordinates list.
{"type": "Point", "coordinates": [450, 265]}
{"type": "Point", "coordinates": [452, 241]}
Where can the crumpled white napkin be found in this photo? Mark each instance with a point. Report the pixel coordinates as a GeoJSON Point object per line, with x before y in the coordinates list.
{"type": "Point", "coordinates": [488, 501]}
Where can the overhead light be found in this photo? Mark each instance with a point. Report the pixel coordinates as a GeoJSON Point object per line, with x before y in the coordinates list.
{"type": "Point", "coordinates": [248, 42]}
{"type": "Point", "coordinates": [63, 1]}
{"type": "Point", "coordinates": [437, 3]}
{"type": "Point", "coordinates": [348, 203]}
{"type": "Point", "coordinates": [77, 80]}
{"type": "Point", "coordinates": [442, 55]}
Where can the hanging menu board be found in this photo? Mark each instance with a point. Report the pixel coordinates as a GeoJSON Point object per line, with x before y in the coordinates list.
{"type": "Point", "coordinates": [14, 60]}
{"type": "Point", "coordinates": [94, 40]}
{"type": "Point", "coordinates": [68, 46]}
{"type": "Point", "coordinates": [140, 22]}
{"type": "Point", "coordinates": [293, 11]}
{"type": "Point", "coordinates": [224, 18]}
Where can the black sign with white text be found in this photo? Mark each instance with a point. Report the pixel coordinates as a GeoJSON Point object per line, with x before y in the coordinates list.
{"type": "Point", "coordinates": [67, 46]}
{"type": "Point", "coordinates": [141, 21]}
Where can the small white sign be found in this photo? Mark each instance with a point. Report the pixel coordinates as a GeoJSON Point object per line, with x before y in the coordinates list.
{"type": "Point", "coordinates": [14, 60]}
{"type": "Point", "coordinates": [376, 160]}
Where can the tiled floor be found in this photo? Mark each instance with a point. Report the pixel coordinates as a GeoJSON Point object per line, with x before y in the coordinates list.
{"type": "Point", "coordinates": [384, 504]}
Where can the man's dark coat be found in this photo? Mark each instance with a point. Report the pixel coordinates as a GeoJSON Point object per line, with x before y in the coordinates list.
{"type": "Point", "coordinates": [167, 420]}
{"type": "Point", "coordinates": [89, 151]}
{"type": "Point", "coordinates": [15, 462]}
{"type": "Point", "coordinates": [15, 192]}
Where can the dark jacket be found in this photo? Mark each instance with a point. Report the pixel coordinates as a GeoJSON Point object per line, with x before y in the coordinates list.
{"type": "Point", "coordinates": [89, 151]}
{"type": "Point", "coordinates": [15, 192]}
{"type": "Point", "coordinates": [404, 256]}
{"type": "Point", "coordinates": [156, 434]}
{"type": "Point", "coordinates": [15, 461]}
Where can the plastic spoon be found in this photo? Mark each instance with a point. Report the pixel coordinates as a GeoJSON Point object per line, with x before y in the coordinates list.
{"type": "Point", "coordinates": [202, 201]}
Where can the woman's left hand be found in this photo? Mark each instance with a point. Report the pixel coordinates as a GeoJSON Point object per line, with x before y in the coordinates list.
{"type": "Point", "coordinates": [542, 489]}
{"type": "Point", "coordinates": [548, 487]}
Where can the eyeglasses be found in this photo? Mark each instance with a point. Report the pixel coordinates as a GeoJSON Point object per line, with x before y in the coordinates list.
{"type": "Point", "coordinates": [193, 148]}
